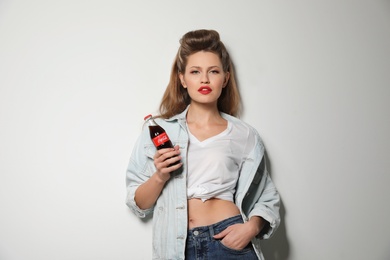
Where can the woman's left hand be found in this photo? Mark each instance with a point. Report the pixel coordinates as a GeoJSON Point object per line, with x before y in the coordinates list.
{"type": "Point", "coordinates": [238, 236]}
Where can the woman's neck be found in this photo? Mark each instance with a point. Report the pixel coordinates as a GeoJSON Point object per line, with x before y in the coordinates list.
{"type": "Point", "coordinates": [203, 115]}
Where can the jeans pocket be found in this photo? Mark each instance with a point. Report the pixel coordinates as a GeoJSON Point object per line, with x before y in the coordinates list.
{"type": "Point", "coordinates": [245, 250]}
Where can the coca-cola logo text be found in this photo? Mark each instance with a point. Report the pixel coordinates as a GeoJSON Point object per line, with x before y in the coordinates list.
{"type": "Point", "coordinates": [160, 139]}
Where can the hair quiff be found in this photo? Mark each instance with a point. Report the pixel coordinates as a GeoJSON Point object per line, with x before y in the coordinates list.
{"type": "Point", "coordinates": [176, 98]}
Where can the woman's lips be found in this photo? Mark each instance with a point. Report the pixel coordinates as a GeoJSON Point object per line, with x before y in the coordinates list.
{"type": "Point", "coordinates": [204, 90]}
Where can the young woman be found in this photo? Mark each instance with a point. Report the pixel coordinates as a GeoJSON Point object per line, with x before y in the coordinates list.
{"type": "Point", "coordinates": [219, 201]}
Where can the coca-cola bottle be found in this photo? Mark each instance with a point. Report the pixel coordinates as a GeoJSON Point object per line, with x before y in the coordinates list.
{"type": "Point", "coordinates": [158, 135]}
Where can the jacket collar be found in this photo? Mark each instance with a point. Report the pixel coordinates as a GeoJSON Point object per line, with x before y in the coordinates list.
{"type": "Point", "coordinates": [181, 116]}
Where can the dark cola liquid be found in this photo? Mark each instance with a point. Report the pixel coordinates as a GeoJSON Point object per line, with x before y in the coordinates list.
{"type": "Point", "coordinates": [160, 139]}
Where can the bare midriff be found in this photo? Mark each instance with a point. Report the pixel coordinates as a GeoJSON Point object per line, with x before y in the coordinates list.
{"type": "Point", "coordinates": [209, 212]}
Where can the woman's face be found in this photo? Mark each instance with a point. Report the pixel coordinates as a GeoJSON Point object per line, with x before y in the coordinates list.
{"type": "Point", "coordinates": [204, 77]}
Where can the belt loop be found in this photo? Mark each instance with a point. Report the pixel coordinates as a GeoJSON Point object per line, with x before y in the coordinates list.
{"type": "Point", "coordinates": [211, 229]}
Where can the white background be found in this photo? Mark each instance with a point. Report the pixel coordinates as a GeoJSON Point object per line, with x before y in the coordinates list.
{"type": "Point", "coordinates": [77, 77]}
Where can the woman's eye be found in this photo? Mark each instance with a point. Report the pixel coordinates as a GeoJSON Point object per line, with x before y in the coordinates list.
{"type": "Point", "coordinates": [215, 71]}
{"type": "Point", "coordinates": [194, 72]}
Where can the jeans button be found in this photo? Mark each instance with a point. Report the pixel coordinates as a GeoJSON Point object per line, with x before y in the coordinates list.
{"type": "Point", "coordinates": [196, 232]}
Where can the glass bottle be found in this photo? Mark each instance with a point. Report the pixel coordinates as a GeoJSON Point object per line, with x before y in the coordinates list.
{"type": "Point", "coordinates": [158, 135]}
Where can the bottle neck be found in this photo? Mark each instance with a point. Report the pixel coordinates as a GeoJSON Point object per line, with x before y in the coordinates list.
{"type": "Point", "coordinates": [151, 121]}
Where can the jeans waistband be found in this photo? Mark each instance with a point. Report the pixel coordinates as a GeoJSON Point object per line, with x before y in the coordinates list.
{"type": "Point", "coordinates": [216, 228]}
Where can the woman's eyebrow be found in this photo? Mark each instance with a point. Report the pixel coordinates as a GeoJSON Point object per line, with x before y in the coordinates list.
{"type": "Point", "coordinates": [199, 67]}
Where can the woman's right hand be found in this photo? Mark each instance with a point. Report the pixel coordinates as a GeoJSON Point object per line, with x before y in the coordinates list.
{"type": "Point", "coordinates": [165, 157]}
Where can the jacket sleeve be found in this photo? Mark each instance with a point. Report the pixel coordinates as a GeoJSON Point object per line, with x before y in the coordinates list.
{"type": "Point", "coordinates": [139, 170]}
{"type": "Point", "coordinates": [262, 198]}
{"type": "Point", "coordinates": [268, 201]}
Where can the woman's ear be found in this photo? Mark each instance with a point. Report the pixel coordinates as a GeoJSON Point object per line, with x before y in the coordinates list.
{"type": "Point", "coordinates": [227, 76]}
{"type": "Point", "coordinates": [181, 77]}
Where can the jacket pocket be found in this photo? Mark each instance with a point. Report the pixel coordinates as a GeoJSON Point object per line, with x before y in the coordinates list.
{"type": "Point", "coordinates": [150, 150]}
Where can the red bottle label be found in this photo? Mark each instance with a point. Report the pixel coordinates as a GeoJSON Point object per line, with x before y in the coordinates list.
{"type": "Point", "coordinates": [160, 139]}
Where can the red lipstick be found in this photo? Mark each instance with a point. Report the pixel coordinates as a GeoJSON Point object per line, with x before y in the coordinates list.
{"type": "Point", "coordinates": [204, 90]}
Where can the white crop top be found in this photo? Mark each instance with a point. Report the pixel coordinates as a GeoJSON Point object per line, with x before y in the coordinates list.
{"type": "Point", "coordinates": [214, 164]}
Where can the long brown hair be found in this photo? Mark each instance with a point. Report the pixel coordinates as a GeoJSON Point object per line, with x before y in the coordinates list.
{"type": "Point", "coordinates": [176, 98]}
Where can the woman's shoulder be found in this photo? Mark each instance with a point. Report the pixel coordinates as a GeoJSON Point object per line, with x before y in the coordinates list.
{"type": "Point", "coordinates": [251, 133]}
{"type": "Point", "coordinates": [241, 125]}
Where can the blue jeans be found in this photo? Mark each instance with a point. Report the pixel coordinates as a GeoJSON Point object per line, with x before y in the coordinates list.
{"type": "Point", "coordinates": [201, 245]}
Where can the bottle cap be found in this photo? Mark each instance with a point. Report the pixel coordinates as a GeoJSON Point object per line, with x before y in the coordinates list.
{"type": "Point", "coordinates": [147, 117]}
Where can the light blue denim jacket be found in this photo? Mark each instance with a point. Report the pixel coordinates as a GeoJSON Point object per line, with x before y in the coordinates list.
{"type": "Point", "coordinates": [255, 195]}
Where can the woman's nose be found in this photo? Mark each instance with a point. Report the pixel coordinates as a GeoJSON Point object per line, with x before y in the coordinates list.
{"type": "Point", "coordinates": [205, 78]}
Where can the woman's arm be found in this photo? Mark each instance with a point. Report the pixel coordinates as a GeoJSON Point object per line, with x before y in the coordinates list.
{"type": "Point", "coordinates": [147, 193]}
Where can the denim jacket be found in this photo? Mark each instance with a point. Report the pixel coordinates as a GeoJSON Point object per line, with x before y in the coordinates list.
{"type": "Point", "coordinates": [255, 194]}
